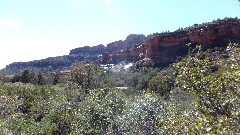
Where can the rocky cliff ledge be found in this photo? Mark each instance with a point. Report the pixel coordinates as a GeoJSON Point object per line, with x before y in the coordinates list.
{"type": "Point", "coordinates": [164, 47]}
{"type": "Point", "coordinates": [129, 42]}
{"type": "Point", "coordinates": [90, 50]}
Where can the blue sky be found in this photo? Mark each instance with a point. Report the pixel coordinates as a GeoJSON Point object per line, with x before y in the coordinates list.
{"type": "Point", "coordinates": [36, 29]}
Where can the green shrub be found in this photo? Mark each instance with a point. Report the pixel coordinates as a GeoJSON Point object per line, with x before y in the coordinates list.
{"type": "Point", "coordinates": [161, 84]}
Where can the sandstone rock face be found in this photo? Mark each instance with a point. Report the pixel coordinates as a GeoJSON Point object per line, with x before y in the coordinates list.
{"type": "Point", "coordinates": [130, 41]}
{"type": "Point", "coordinates": [115, 46]}
{"type": "Point", "coordinates": [111, 48]}
{"type": "Point", "coordinates": [133, 54]}
{"type": "Point", "coordinates": [106, 57]}
{"type": "Point", "coordinates": [166, 46]}
{"type": "Point", "coordinates": [215, 30]}
{"type": "Point", "coordinates": [156, 43]}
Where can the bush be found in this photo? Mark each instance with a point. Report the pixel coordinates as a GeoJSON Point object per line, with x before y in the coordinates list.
{"type": "Point", "coordinates": [88, 75]}
{"type": "Point", "coordinates": [218, 90]}
{"type": "Point", "coordinates": [140, 116]}
{"type": "Point", "coordinates": [161, 84]}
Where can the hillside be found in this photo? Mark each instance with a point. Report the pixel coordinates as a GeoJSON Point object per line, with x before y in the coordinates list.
{"type": "Point", "coordinates": [199, 94]}
{"type": "Point", "coordinates": [195, 94]}
{"type": "Point", "coordinates": [163, 48]}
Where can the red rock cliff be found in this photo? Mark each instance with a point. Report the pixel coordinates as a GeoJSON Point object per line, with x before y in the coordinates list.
{"type": "Point", "coordinates": [164, 45]}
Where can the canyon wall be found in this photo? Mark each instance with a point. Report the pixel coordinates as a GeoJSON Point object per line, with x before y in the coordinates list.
{"type": "Point", "coordinates": [165, 47]}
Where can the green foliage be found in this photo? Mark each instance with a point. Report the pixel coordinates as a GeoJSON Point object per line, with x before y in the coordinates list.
{"type": "Point", "coordinates": [140, 116]}
{"type": "Point", "coordinates": [217, 89]}
{"type": "Point", "coordinates": [56, 78]}
{"type": "Point", "coordinates": [202, 98]}
{"type": "Point", "coordinates": [88, 75]}
{"type": "Point", "coordinates": [29, 76]}
{"type": "Point", "coordinates": [25, 77]}
{"type": "Point", "coordinates": [41, 80]}
{"type": "Point", "coordinates": [24, 108]}
{"type": "Point", "coordinates": [29, 109]}
{"type": "Point", "coordinates": [99, 111]}
{"type": "Point", "coordinates": [139, 78]}
{"type": "Point", "coordinates": [161, 84]}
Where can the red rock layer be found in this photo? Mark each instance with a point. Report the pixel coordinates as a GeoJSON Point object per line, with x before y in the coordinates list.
{"type": "Point", "coordinates": [197, 34]}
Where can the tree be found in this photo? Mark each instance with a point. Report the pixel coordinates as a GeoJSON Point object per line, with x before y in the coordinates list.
{"type": "Point", "coordinates": [41, 79]}
{"type": "Point", "coordinates": [56, 78]}
{"type": "Point", "coordinates": [16, 78]}
{"type": "Point", "coordinates": [33, 78]}
{"type": "Point", "coordinates": [161, 84]}
{"type": "Point", "coordinates": [25, 78]}
{"type": "Point", "coordinates": [88, 75]}
{"type": "Point", "coordinates": [218, 89]}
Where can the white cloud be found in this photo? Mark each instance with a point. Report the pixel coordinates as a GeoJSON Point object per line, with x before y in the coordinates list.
{"type": "Point", "coordinates": [9, 22]}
